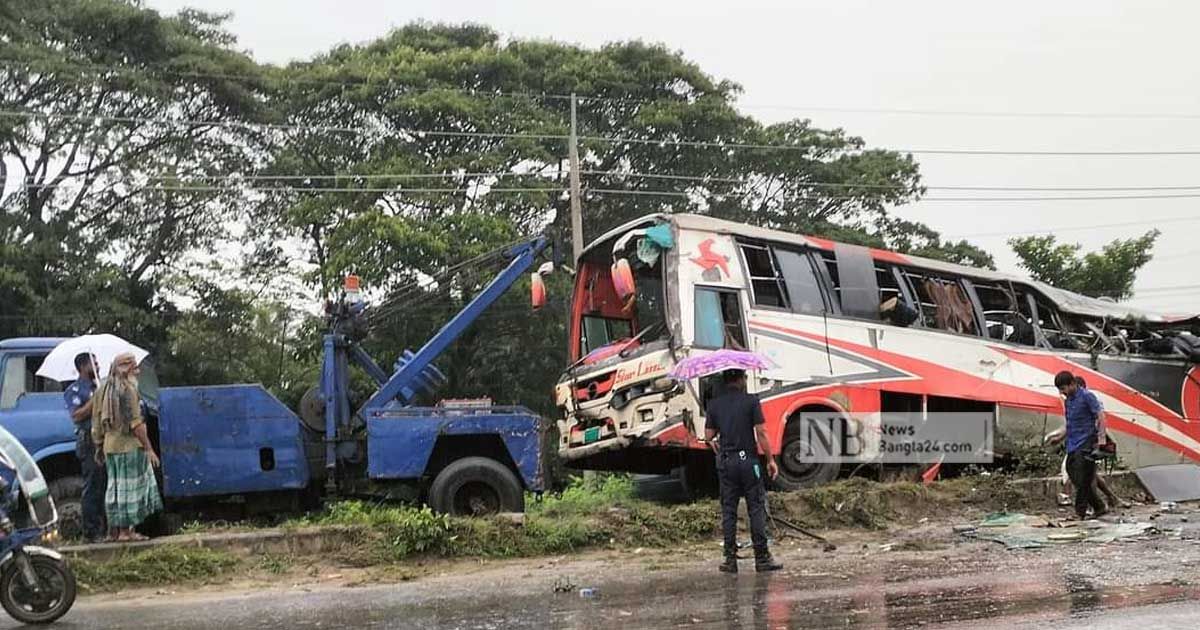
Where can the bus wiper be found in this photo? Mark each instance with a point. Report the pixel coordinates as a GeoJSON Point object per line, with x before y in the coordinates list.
{"type": "Point", "coordinates": [629, 344]}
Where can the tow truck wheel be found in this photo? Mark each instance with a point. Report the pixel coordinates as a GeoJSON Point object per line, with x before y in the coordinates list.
{"type": "Point", "coordinates": [476, 486]}
{"type": "Point", "coordinates": [68, 501]}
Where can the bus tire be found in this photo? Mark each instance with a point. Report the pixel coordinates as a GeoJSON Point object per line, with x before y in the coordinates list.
{"type": "Point", "coordinates": [795, 471]}
{"type": "Point", "coordinates": [476, 486]}
{"type": "Point", "coordinates": [67, 493]}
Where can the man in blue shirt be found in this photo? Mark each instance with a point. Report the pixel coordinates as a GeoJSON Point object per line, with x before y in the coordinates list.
{"type": "Point", "coordinates": [79, 404]}
{"type": "Point", "coordinates": [1082, 411]}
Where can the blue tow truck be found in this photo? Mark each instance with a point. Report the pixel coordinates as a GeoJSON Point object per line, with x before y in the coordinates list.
{"type": "Point", "coordinates": [233, 451]}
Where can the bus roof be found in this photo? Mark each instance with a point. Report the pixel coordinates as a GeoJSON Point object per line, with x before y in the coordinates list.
{"type": "Point", "coordinates": [1068, 301]}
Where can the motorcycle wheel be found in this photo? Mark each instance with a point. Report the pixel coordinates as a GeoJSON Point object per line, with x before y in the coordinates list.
{"type": "Point", "coordinates": [52, 599]}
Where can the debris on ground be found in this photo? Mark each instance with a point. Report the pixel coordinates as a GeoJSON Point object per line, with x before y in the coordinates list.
{"type": "Point", "coordinates": [1171, 482]}
{"type": "Point", "coordinates": [1023, 531]}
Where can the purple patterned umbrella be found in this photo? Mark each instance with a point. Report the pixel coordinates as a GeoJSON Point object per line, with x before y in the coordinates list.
{"type": "Point", "coordinates": [719, 361]}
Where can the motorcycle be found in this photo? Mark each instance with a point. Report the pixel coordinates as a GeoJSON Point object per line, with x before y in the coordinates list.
{"type": "Point", "coordinates": [37, 585]}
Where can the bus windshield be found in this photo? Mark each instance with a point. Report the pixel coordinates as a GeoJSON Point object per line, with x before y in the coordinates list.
{"type": "Point", "coordinates": [602, 323]}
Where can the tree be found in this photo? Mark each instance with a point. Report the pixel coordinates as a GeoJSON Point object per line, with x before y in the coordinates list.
{"type": "Point", "coordinates": [100, 198]}
{"type": "Point", "coordinates": [1107, 273]}
{"type": "Point", "coordinates": [260, 342]}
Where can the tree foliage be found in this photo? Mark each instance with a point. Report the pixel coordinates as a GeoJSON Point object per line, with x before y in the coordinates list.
{"type": "Point", "coordinates": [93, 215]}
{"type": "Point", "coordinates": [1109, 272]}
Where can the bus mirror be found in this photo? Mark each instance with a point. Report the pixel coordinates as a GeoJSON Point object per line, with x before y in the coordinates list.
{"type": "Point", "coordinates": [537, 289]}
{"type": "Point", "coordinates": [622, 278]}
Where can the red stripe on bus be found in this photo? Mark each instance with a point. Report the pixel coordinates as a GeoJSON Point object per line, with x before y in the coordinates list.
{"type": "Point", "coordinates": [1108, 386]}
{"type": "Point", "coordinates": [1121, 425]}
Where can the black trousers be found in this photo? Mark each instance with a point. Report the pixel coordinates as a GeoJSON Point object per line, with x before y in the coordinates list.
{"type": "Point", "coordinates": [1082, 472]}
{"type": "Point", "coordinates": [741, 475]}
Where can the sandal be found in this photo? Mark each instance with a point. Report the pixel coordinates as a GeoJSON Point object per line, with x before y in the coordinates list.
{"type": "Point", "coordinates": [136, 537]}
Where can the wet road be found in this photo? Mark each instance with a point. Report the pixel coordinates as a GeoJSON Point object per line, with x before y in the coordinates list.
{"type": "Point", "coordinates": [908, 596]}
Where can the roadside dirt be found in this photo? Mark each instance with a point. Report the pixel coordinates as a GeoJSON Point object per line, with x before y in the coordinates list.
{"type": "Point", "coordinates": [928, 548]}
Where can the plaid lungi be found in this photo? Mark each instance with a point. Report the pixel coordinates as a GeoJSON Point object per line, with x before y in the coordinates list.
{"type": "Point", "coordinates": [132, 492]}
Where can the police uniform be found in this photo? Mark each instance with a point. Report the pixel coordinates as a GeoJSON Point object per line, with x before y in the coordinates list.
{"type": "Point", "coordinates": [95, 478]}
{"type": "Point", "coordinates": [734, 416]}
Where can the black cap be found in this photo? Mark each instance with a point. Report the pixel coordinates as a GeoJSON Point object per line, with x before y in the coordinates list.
{"type": "Point", "coordinates": [730, 376]}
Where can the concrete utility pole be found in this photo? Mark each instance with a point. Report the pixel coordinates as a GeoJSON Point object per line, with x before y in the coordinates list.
{"type": "Point", "coordinates": [576, 202]}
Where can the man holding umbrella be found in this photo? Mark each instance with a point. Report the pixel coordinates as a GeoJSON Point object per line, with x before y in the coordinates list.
{"type": "Point", "coordinates": [79, 361]}
{"type": "Point", "coordinates": [79, 403]}
{"type": "Point", "coordinates": [734, 427]}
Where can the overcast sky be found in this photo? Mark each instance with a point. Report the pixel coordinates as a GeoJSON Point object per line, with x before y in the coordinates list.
{"type": "Point", "coordinates": [1132, 59]}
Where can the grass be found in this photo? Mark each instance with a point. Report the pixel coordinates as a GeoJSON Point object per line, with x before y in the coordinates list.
{"type": "Point", "coordinates": [155, 566]}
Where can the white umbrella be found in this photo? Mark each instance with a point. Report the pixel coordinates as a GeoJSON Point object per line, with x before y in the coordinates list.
{"type": "Point", "coordinates": [60, 363]}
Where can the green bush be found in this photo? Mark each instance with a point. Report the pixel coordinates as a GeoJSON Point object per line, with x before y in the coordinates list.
{"type": "Point", "coordinates": [586, 495]}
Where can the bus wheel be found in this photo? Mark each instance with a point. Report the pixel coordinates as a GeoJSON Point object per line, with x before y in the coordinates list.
{"type": "Point", "coordinates": [805, 456]}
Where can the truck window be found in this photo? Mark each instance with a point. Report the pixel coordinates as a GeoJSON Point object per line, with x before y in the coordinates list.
{"type": "Point", "coordinates": [765, 280]}
{"type": "Point", "coordinates": [801, 280]}
{"type": "Point", "coordinates": [20, 377]}
{"type": "Point", "coordinates": [718, 320]}
{"type": "Point", "coordinates": [14, 381]}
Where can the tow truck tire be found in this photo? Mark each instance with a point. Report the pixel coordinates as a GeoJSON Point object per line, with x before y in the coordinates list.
{"type": "Point", "coordinates": [67, 493]}
{"type": "Point", "coordinates": [476, 486]}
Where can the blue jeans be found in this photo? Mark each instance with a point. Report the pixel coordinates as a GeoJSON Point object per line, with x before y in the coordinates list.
{"type": "Point", "coordinates": [95, 482]}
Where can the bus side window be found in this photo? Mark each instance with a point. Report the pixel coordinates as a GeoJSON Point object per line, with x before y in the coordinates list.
{"type": "Point", "coordinates": [1058, 335]}
{"type": "Point", "coordinates": [829, 262]}
{"type": "Point", "coordinates": [801, 279]}
{"type": "Point", "coordinates": [718, 320]}
{"type": "Point", "coordinates": [943, 303]}
{"type": "Point", "coordinates": [765, 280]}
{"type": "Point", "coordinates": [1004, 319]}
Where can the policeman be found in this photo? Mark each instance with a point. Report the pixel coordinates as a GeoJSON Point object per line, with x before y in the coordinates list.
{"type": "Point", "coordinates": [734, 428]}
{"type": "Point", "coordinates": [79, 403]}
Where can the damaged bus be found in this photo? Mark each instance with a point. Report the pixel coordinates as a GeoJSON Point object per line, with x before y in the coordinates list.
{"type": "Point", "coordinates": [851, 331]}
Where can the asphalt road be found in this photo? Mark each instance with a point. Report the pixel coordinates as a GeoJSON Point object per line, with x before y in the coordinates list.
{"type": "Point", "coordinates": [917, 595]}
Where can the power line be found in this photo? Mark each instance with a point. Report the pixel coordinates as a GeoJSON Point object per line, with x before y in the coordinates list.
{"type": "Point", "coordinates": [887, 186]}
{"type": "Point", "coordinates": [779, 147]}
{"type": "Point", "coordinates": [977, 113]}
{"type": "Point", "coordinates": [630, 192]}
{"type": "Point", "coordinates": [337, 189]}
{"type": "Point", "coordinates": [600, 139]}
{"type": "Point", "coordinates": [136, 120]}
{"type": "Point", "coordinates": [1168, 289]}
{"type": "Point", "coordinates": [631, 174]}
{"type": "Point", "coordinates": [674, 193]}
{"type": "Point", "coordinates": [355, 81]}
{"type": "Point", "coordinates": [1076, 228]}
